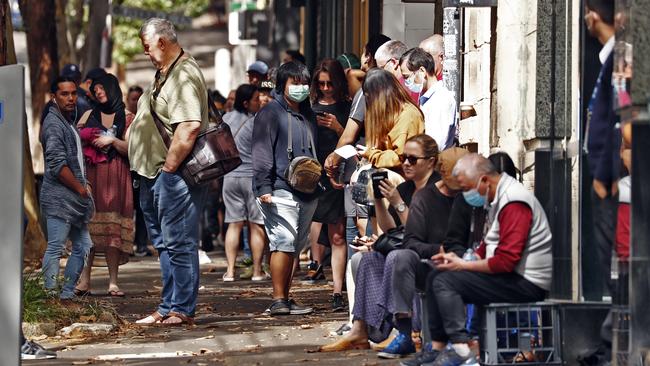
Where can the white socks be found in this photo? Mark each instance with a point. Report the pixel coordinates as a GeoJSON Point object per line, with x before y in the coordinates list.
{"type": "Point", "coordinates": [462, 349]}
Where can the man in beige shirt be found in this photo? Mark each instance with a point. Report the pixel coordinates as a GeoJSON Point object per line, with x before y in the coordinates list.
{"type": "Point", "coordinates": [171, 208]}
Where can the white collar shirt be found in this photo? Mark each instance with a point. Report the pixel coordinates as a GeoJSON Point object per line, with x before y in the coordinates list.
{"type": "Point", "coordinates": [439, 108]}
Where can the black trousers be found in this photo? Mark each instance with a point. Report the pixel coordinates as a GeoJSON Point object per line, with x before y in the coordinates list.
{"type": "Point", "coordinates": [604, 221]}
{"type": "Point", "coordinates": [141, 236]}
{"type": "Point", "coordinates": [448, 292]}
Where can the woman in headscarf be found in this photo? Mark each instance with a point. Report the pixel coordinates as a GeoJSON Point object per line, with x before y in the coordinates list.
{"type": "Point", "coordinates": [111, 229]}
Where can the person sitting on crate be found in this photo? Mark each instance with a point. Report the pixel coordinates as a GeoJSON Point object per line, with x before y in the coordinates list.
{"type": "Point", "coordinates": [514, 265]}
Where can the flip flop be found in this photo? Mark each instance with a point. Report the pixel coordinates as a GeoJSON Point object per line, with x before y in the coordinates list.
{"type": "Point", "coordinates": [154, 319]}
{"type": "Point", "coordinates": [115, 293]}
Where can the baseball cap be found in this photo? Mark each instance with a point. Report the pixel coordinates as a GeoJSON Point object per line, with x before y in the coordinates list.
{"type": "Point", "coordinates": [71, 70]}
{"type": "Point", "coordinates": [259, 67]}
{"type": "Point", "coordinates": [349, 61]}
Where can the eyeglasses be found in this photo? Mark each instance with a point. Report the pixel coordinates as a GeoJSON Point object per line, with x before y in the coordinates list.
{"type": "Point", "coordinates": [412, 159]}
{"type": "Point", "coordinates": [323, 84]}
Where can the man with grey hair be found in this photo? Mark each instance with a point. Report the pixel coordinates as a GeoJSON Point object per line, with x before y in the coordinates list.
{"type": "Point", "coordinates": [514, 264]}
{"type": "Point", "coordinates": [176, 100]}
{"type": "Point", "coordinates": [388, 55]}
{"type": "Point", "coordinates": [434, 45]}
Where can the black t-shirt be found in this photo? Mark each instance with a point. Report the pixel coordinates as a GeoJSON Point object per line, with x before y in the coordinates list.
{"type": "Point", "coordinates": [327, 138]}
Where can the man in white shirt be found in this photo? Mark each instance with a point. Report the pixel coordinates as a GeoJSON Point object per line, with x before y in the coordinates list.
{"type": "Point", "coordinates": [436, 101]}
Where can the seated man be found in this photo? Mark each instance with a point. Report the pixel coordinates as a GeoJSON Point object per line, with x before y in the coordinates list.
{"type": "Point", "coordinates": [516, 262]}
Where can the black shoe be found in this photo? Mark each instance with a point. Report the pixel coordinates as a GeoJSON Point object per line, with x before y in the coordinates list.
{"type": "Point", "coordinates": [279, 307]}
{"type": "Point", "coordinates": [338, 303]}
{"type": "Point", "coordinates": [34, 351]}
{"type": "Point", "coordinates": [421, 358]}
{"type": "Point", "coordinates": [143, 253]}
{"type": "Point", "coordinates": [314, 274]}
{"type": "Point", "coordinates": [296, 309]}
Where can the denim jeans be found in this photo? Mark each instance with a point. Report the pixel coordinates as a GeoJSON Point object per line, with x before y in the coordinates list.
{"type": "Point", "coordinates": [58, 232]}
{"type": "Point", "coordinates": [172, 212]}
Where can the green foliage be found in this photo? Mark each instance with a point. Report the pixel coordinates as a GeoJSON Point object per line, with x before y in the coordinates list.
{"type": "Point", "coordinates": [126, 43]}
{"type": "Point", "coordinates": [41, 305]}
{"type": "Point", "coordinates": [37, 303]}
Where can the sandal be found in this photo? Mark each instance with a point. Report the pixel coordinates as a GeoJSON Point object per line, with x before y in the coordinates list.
{"type": "Point", "coordinates": [115, 293]}
{"type": "Point", "coordinates": [185, 320]}
{"type": "Point", "coordinates": [154, 319]}
{"type": "Point", "coordinates": [82, 293]}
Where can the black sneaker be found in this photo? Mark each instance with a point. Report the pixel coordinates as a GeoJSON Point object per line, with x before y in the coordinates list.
{"type": "Point", "coordinates": [279, 307]}
{"type": "Point", "coordinates": [338, 304]}
{"type": "Point", "coordinates": [314, 274]}
{"type": "Point", "coordinates": [34, 351]}
{"type": "Point", "coordinates": [296, 309]}
{"type": "Point", "coordinates": [421, 358]}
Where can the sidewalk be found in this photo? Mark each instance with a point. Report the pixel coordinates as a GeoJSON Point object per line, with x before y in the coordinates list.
{"type": "Point", "coordinates": [231, 328]}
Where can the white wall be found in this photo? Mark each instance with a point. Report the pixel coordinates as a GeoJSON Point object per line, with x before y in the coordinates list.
{"type": "Point", "coordinates": [409, 23]}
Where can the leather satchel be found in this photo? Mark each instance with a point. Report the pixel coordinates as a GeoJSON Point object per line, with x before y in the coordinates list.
{"type": "Point", "coordinates": [303, 173]}
{"type": "Point", "coordinates": [389, 241]}
{"type": "Point", "coordinates": [214, 153]}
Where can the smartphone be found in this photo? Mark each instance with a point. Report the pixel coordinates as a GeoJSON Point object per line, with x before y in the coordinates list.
{"type": "Point", "coordinates": [376, 178]}
{"type": "Point", "coordinates": [321, 114]}
{"type": "Point", "coordinates": [428, 262]}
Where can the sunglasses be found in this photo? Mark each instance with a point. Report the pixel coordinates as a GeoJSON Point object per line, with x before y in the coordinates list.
{"type": "Point", "coordinates": [323, 84]}
{"type": "Point", "coordinates": [412, 159]}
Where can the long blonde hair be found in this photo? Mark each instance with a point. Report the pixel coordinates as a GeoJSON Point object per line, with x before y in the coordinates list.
{"type": "Point", "coordinates": [385, 100]}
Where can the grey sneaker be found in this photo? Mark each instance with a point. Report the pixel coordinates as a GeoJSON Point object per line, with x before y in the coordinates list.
{"type": "Point", "coordinates": [296, 309]}
{"type": "Point", "coordinates": [34, 351]}
{"type": "Point", "coordinates": [279, 307]}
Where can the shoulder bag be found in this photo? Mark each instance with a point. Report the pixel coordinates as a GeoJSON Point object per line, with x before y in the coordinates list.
{"type": "Point", "coordinates": [303, 173]}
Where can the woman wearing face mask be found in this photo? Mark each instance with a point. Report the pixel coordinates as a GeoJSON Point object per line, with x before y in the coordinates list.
{"type": "Point", "coordinates": [237, 185]}
{"type": "Point", "coordinates": [287, 212]}
{"type": "Point", "coordinates": [391, 119]}
{"type": "Point", "coordinates": [373, 279]}
{"type": "Point", "coordinates": [111, 228]}
{"type": "Point", "coordinates": [331, 104]}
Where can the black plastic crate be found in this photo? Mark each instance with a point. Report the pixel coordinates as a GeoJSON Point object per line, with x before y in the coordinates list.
{"type": "Point", "coordinates": [521, 333]}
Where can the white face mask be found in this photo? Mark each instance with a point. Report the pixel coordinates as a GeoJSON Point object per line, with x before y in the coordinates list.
{"type": "Point", "coordinates": [298, 93]}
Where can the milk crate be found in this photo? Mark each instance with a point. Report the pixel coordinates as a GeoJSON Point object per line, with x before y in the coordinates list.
{"type": "Point", "coordinates": [526, 334]}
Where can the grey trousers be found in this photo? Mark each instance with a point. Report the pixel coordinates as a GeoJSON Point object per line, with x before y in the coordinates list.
{"type": "Point", "coordinates": [409, 275]}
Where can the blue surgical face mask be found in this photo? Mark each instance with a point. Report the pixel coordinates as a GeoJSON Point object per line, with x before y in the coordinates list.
{"type": "Point", "coordinates": [474, 198]}
{"type": "Point", "coordinates": [298, 93]}
{"type": "Point", "coordinates": [412, 85]}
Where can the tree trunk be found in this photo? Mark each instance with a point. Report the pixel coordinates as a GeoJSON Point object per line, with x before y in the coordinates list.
{"type": "Point", "coordinates": [40, 28]}
{"type": "Point", "coordinates": [34, 241]}
{"type": "Point", "coordinates": [64, 48]}
{"type": "Point", "coordinates": [97, 24]}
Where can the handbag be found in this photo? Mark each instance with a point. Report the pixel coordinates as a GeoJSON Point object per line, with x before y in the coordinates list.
{"type": "Point", "coordinates": [303, 173]}
{"type": "Point", "coordinates": [389, 241]}
{"type": "Point", "coordinates": [214, 153]}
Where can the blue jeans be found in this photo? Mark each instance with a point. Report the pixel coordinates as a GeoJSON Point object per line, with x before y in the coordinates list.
{"type": "Point", "coordinates": [58, 232]}
{"type": "Point", "coordinates": [172, 212]}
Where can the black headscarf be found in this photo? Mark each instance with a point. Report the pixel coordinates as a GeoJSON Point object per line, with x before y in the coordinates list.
{"type": "Point", "coordinates": [114, 105]}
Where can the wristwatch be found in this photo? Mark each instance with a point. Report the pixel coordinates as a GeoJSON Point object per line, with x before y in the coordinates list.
{"type": "Point", "coordinates": [400, 207]}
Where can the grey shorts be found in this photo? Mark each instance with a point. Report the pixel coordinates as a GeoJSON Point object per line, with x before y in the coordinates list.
{"type": "Point", "coordinates": [353, 209]}
{"type": "Point", "coordinates": [239, 200]}
{"type": "Point", "coordinates": [287, 221]}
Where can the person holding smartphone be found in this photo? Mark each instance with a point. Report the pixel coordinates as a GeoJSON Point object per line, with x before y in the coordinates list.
{"type": "Point", "coordinates": [331, 103]}
{"type": "Point", "coordinates": [373, 275]}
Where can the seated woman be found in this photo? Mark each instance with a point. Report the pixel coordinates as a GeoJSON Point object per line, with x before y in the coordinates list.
{"type": "Point", "coordinates": [374, 274]}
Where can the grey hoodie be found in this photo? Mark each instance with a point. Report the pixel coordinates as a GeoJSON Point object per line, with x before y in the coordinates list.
{"type": "Point", "coordinates": [60, 141]}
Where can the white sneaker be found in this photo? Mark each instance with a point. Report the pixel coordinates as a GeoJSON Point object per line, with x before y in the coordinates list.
{"type": "Point", "coordinates": [203, 257]}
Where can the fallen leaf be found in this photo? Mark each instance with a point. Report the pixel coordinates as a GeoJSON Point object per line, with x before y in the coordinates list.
{"type": "Point", "coordinates": [306, 326]}
{"type": "Point", "coordinates": [40, 337]}
{"type": "Point", "coordinates": [205, 351]}
{"type": "Point", "coordinates": [82, 362]}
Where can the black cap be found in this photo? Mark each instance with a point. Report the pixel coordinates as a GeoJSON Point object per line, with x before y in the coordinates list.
{"type": "Point", "coordinates": [94, 74]}
{"type": "Point", "coordinates": [72, 71]}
